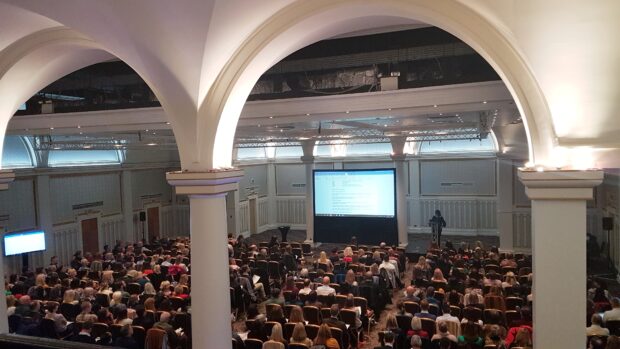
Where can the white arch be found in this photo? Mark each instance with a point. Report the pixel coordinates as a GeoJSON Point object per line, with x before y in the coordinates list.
{"type": "Point", "coordinates": [303, 23]}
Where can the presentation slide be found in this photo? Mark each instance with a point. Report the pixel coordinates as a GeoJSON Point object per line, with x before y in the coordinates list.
{"type": "Point", "coordinates": [354, 193]}
{"type": "Point", "coordinates": [24, 242]}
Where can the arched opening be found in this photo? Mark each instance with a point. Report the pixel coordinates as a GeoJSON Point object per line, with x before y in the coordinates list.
{"type": "Point", "coordinates": [297, 26]}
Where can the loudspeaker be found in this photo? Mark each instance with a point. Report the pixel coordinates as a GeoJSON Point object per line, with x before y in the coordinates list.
{"type": "Point", "coordinates": [608, 223]}
{"type": "Point", "coordinates": [142, 216]}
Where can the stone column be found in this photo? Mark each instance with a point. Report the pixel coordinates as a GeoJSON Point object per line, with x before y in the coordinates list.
{"type": "Point", "coordinates": [127, 198]}
{"type": "Point", "coordinates": [271, 193]}
{"type": "Point", "coordinates": [399, 158]}
{"type": "Point", "coordinates": [44, 215]}
{"type": "Point", "coordinates": [505, 203]}
{"type": "Point", "coordinates": [210, 286]}
{"type": "Point", "coordinates": [559, 253]}
{"type": "Point", "coordinates": [6, 177]}
{"type": "Point", "coordinates": [308, 160]}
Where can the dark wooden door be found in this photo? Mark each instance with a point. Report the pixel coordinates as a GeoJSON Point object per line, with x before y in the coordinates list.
{"type": "Point", "coordinates": [90, 235]}
{"type": "Point", "coordinates": [152, 218]}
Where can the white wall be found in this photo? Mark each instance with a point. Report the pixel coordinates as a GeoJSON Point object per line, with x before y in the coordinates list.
{"type": "Point", "coordinates": [475, 177]}
{"type": "Point", "coordinates": [148, 186]}
{"type": "Point", "coordinates": [16, 206]}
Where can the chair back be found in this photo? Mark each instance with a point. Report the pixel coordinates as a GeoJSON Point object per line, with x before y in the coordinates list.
{"type": "Point", "coordinates": [177, 303]}
{"type": "Point", "coordinates": [134, 288]}
{"type": "Point", "coordinates": [349, 317]}
{"type": "Point", "coordinates": [48, 328]}
{"type": "Point", "coordinates": [341, 300]}
{"type": "Point", "coordinates": [312, 331]}
{"type": "Point", "coordinates": [338, 335]}
{"type": "Point", "coordinates": [472, 313]}
{"type": "Point", "coordinates": [404, 322]}
{"type": "Point", "coordinates": [99, 329]}
{"type": "Point", "coordinates": [455, 311]}
{"type": "Point", "coordinates": [288, 296]}
{"type": "Point", "coordinates": [327, 300]}
{"type": "Point", "coordinates": [312, 315]}
{"type": "Point", "coordinates": [411, 307]}
{"type": "Point", "coordinates": [325, 313]}
{"type": "Point", "coordinates": [513, 302]}
{"type": "Point", "coordinates": [613, 326]}
{"type": "Point", "coordinates": [102, 299]}
{"type": "Point", "coordinates": [156, 338]}
{"type": "Point", "coordinates": [139, 335]}
{"type": "Point", "coordinates": [429, 326]}
{"type": "Point", "coordinates": [453, 327]}
{"type": "Point", "coordinates": [271, 310]}
{"type": "Point", "coordinates": [287, 310]}
{"type": "Point", "coordinates": [287, 330]}
{"type": "Point", "coordinates": [362, 303]}
{"type": "Point", "coordinates": [433, 309]}
{"type": "Point", "coordinates": [269, 327]}
{"type": "Point", "coordinates": [511, 317]}
{"type": "Point", "coordinates": [14, 322]}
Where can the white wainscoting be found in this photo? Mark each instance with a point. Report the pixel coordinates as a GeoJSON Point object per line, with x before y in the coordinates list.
{"type": "Point", "coordinates": [66, 241]}
{"type": "Point", "coordinates": [291, 210]}
{"type": "Point", "coordinates": [166, 217]}
{"type": "Point", "coordinates": [263, 214]}
{"type": "Point", "coordinates": [464, 216]}
{"type": "Point", "coordinates": [112, 229]}
{"type": "Point", "coordinates": [244, 217]}
{"type": "Point", "coordinates": [181, 217]}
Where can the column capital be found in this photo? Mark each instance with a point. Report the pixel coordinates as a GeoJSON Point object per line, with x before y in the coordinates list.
{"type": "Point", "coordinates": [6, 177]}
{"type": "Point", "coordinates": [208, 183]}
{"type": "Point", "coordinates": [307, 159]}
{"type": "Point", "coordinates": [398, 157]}
{"type": "Point", "coordinates": [560, 184]}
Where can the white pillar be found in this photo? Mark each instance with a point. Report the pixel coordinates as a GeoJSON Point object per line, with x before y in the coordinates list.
{"type": "Point", "coordinates": [6, 177]}
{"type": "Point", "coordinates": [398, 145]}
{"type": "Point", "coordinates": [127, 197]}
{"type": "Point", "coordinates": [414, 195]}
{"type": "Point", "coordinates": [505, 203]}
{"type": "Point", "coordinates": [308, 160]}
{"type": "Point", "coordinates": [271, 193]}
{"type": "Point", "coordinates": [44, 215]}
{"type": "Point", "coordinates": [210, 290]}
{"type": "Point", "coordinates": [559, 254]}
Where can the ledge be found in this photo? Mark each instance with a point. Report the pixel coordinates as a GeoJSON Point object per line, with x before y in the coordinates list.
{"type": "Point", "coordinates": [560, 184]}
{"type": "Point", "coordinates": [6, 177]}
{"type": "Point", "coordinates": [213, 182]}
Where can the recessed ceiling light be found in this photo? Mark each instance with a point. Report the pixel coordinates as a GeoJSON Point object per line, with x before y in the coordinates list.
{"type": "Point", "coordinates": [385, 125]}
{"type": "Point", "coordinates": [434, 105]}
{"type": "Point", "coordinates": [456, 114]}
{"type": "Point", "coordinates": [81, 133]}
{"type": "Point", "coordinates": [281, 130]}
{"type": "Point", "coordinates": [410, 132]}
{"type": "Point", "coordinates": [307, 114]}
{"type": "Point", "coordinates": [146, 130]}
{"type": "Point", "coordinates": [258, 125]}
{"type": "Point", "coordinates": [167, 123]}
{"type": "Point", "coordinates": [389, 108]}
{"type": "Point", "coordinates": [347, 111]}
{"type": "Point", "coordinates": [151, 144]}
{"type": "Point", "coordinates": [271, 117]}
{"type": "Point", "coordinates": [440, 114]}
{"type": "Point", "coordinates": [51, 128]}
{"type": "Point", "coordinates": [87, 147]}
{"type": "Point", "coordinates": [78, 126]}
{"type": "Point", "coordinates": [484, 102]}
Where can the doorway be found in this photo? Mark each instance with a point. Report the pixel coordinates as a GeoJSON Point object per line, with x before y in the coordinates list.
{"type": "Point", "coordinates": [152, 222]}
{"type": "Point", "coordinates": [90, 235]}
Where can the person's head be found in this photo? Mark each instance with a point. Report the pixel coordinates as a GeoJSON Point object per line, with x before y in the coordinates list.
{"type": "Point", "coordinates": [613, 342]}
{"type": "Point", "coordinates": [276, 333]}
{"type": "Point", "coordinates": [424, 305]}
{"type": "Point", "coordinates": [323, 257]}
{"type": "Point", "coordinates": [437, 213]}
{"type": "Point", "coordinates": [306, 283]}
{"type": "Point", "coordinates": [296, 315]}
{"type": "Point", "coordinates": [523, 338]}
{"type": "Point", "coordinates": [409, 291]}
{"type": "Point", "coordinates": [323, 335]}
{"type": "Point", "coordinates": [326, 280]}
{"type": "Point", "coordinates": [416, 342]}
{"type": "Point", "coordinates": [350, 277]}
{"type": "Point", "coordinates": [615, 302]}
{"type": "Point", "coordinates": [69, 296]}
{"type": "Point", "coordinates": [275, 292]}
{"type": "Point", "coordinates": [350, 302]}
{"type": "Point", "coordinates": [25, 300]}
{"type": "Point", "coordinates": [390, 322]}
{"type": "Point", "coordinates": [416, 323]}
{"type": "Point", "coordinates": [40, 280]}
{"type": "Point", "coordinates": [334, 310]}
{"type": "Point", "coordinates": [164, 317]}
{"type": "Point", "coordinates": [51, 307]}
{"type": "Point", "coordinates": [149, 304]}
{"type": "Point", "coordinates": [149, 288]}
{"type": "Point", "coordinates": [495, 333]}
{"type": "Point", "coordinates": [299, 333]}
{"type": "Point", "coordinates": [597, 320]}
{"type": "Point", "coordinates": [442, 327]}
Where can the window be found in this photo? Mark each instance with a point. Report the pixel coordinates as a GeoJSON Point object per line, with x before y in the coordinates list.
{"type": "Point", "coordinates": [369, 149]}
{"type": "Point", "coordinates": [58, 158]}
{"type": "Point", "coordinates": [289, 152]}
{"type": "Point", "coordinates": [250, 153]}
{"type": "Point", "coordinates": [485, 145]}
{"type": "Point", "coordinates": [17, 153]}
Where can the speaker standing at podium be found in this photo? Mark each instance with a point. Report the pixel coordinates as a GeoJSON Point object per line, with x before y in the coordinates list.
{"type": "Point", "coordinates": [437, 223]}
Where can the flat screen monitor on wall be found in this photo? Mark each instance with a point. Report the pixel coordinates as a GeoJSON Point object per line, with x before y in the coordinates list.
{"type": "Point", "coordinates": [24, 242]}
{"type": "Point", "coordinates": [359, 203]}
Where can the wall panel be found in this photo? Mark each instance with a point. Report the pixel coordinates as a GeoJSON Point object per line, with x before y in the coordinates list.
{"type": "Point", "coordinates": [475, 177]}
{"type": "Point", "coordinates": [17, 206]}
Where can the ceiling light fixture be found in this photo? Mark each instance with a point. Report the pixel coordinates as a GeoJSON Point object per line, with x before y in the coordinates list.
{"type": "Point", "coordinates": [484, 102]}
{"type": "Point", "coordinates": [51, 128]}
{"type": "Point", "coordinates": [271, 117]}
{"type": "Point", "coordinates": [434, 105]}
{"type": "Point", "coordinates": [78, 126]}
{"type": "Point", "coordinates": [307, 114]}
{"type": "Point", "coordinates": [347, 111]}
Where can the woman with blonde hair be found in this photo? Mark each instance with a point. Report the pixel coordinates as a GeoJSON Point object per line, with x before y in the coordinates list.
{"type": "Point", "coordinates": [149, 304]}
{"type": "Point", "coordinates": [117, 298]}
{"type": "Point", "coordinates": [324, 260]}
{"type": "Point", "coordinates": [438, 276]}
{"type": "Point", "coordinates": [324, 338]}
{"type": "Point", "coordinates": [510, 281]}
{"type": "Point", "coordinates": [300, 336]}
{"type": "Point", "coordinates": [164, 288]}
{"type": "Point", "coordinates": [70, 297]}
{"type": "Point", "coordinates": [149, 289]}
{"type": "Point", "coordinates": [347, 254]}
{"type": "Point", "coordinates": [276, 335]}
{"type": "Point", "coordinates": [297, 315]}
{"type": "Point", "coordinates": [273, 345]}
